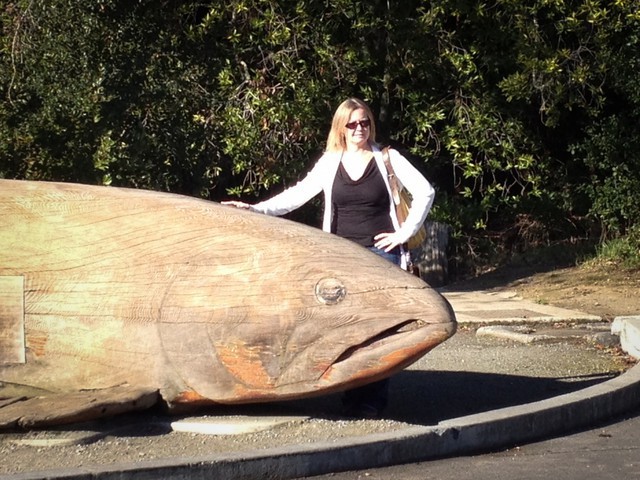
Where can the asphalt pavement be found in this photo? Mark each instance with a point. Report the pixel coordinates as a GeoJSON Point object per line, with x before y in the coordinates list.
{"type": "Point", "coordinates": [606, 451]}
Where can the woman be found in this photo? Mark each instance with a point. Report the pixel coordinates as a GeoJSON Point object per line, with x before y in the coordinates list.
{"type": "Point", "coordinates": [358, 206]}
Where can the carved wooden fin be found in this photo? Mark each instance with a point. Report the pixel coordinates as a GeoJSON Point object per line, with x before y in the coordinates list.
{"type": "Point", "coordinates": [75, 407]}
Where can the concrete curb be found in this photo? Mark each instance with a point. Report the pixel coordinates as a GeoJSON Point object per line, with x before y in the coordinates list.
{"type": "Point", "coordinates": [507, 307]}
{"type": "Point", "coordinates": [476, 433]}
{"type": "Point", "coordinates": [628, 329]}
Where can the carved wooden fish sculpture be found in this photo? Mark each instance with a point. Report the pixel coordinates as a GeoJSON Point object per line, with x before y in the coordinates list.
{"type": "Point", "coordinates": [114, 299]}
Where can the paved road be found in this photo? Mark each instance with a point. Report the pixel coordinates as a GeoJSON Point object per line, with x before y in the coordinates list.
{"type": "Point", "coordinates": [609, 451]}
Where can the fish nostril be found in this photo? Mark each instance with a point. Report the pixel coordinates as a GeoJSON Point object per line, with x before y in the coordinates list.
{"type": "Point", "coordinates": [330, 291]}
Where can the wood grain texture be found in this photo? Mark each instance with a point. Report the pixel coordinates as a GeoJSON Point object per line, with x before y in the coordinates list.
{"type": "Point", "coordinates": [204, 303]}
{"type": "Point", "coordinates": [74, 407]}
{"type": "Point", "coordinates": [12, 348]}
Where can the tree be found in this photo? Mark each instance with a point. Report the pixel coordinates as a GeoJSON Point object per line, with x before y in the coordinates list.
{"type": "Point", "coordinates": [521, 113]}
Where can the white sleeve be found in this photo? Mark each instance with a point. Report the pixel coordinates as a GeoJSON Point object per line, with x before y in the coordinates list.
{"type": "Point", "coordinates": [294, 196]}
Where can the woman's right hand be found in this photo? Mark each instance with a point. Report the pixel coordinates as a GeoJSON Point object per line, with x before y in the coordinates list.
{"type": "Point", "coordinates": [235, 203]}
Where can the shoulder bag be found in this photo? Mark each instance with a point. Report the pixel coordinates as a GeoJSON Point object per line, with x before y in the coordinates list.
{"type": "Point", "coordinates": [402, 200]}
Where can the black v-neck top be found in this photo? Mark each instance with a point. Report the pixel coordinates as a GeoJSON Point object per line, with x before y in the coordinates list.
{"type": "Point", "coordinates": [360, 207]}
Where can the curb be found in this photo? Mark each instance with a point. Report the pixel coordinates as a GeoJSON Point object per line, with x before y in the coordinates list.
{"type": "Point", "coordinates": [507, 307]}
{"type": "Point", "coordinates": [628, 329]}
{"type": "Point", "coordinates": [471, 434]}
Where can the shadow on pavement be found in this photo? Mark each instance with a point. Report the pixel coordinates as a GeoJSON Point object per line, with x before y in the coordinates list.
{"type": "Point", "coordinates": [426, 398]}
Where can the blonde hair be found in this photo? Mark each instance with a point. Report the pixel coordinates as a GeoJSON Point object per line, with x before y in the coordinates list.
{"type": "Point", "coordinates": [336, 140]}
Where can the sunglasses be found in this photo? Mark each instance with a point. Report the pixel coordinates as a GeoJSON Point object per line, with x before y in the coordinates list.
{"type": "Point", "coordinates": [365, 123]}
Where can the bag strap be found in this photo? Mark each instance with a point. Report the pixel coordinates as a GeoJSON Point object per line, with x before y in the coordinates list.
{"type": "Point", "coordinates": [407, 264]}
{"type": "Point", "coordinates": [391, 175]}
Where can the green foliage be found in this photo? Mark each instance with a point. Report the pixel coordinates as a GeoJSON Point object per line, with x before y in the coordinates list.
{"type": "Point", "coordinates": [623, 251]}
{"type": "Point", "coordinates": [522, 114]}
{"type": "Point", "coordinates": [612, 156]}
{"type": "Point", "coordinates": [99, 93]}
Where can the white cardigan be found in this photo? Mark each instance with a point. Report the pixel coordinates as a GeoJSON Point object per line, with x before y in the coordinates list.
{"type": "Point", "coordinates": [321, 178]}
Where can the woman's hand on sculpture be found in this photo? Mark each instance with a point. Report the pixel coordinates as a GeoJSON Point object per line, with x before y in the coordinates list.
{"type": "Point", "coordinates": [387, 241]}
{"type": "Point", "coordinates": [234, 203]}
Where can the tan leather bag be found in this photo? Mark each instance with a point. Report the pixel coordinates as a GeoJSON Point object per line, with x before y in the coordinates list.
{"type": "Point", "coordinates": [402, 200]}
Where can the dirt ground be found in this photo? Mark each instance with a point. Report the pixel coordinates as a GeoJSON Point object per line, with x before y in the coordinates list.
{"type": "Point", "coordinates": [607, 290]}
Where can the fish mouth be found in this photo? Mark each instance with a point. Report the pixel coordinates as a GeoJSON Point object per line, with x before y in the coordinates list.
{"type": "Point", "coordinates": [388, 351]}
{"type": "Point", "coordinates": [381, 338]}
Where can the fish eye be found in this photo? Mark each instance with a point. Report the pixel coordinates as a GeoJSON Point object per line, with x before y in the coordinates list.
{"type": "Point", "coordinates": [330, 291]}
